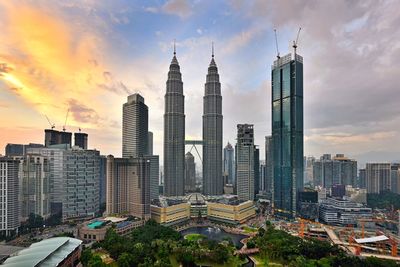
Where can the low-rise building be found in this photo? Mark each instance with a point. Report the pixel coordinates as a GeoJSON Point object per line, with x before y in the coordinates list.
{"type": "Point", "coordinates": [170, 212]}
{"type": "Point", "coordinates": [95, 230]}
{"type": "Point", "coordinates": [342, 212]}
{"type": "Point", "coordinates": [56, 251]}
{"type": "Point", "coordinates": [231, 212]}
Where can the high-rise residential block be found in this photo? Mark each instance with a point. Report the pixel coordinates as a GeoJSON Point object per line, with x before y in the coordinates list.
{"type": "Point", "coordinates": [378, 177]}
{"type": "Point", "coordinates": [128, 186]}
{"type": "Point", "coordinates": [81, 187]}
{"type": "Point", "coordinates": [190, 173]}
{"type": "Point", "coordinates": [213, 183]}
{"type": "Point", "coordinates": [154, 162]}
{"type": "Point", "coordinates": [362, 178]}
{"type": "Point", "coordinates": [287, 133]}
{"type": "Point", "coordinates": [15, 150]}
{"type": "Point", "coordinates": [338, 170]}
{"type": "Point", "coordinates": [135, 121]}
{"type": "Point", "coordinates": [54, 137]}
{"type": "Point", "coordinates": [229, 163]}
{"type": "Point", "coordinates": [34, 178]}
{"type": "Point", "coordinates": [9, 191]}
{"type": "Point", "coordinates": [103, 180]}
{"type": "Point", "coordinates": [244, 160]}
{"type": "Point", "coordinates": [174, 133]}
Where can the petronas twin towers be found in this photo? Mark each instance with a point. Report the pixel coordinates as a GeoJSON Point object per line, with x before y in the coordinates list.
{"type": "Point", "coordinates": [174, 133]}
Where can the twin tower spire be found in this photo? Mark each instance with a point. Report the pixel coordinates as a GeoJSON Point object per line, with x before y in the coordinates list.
{"type": "Point", "coordinates": [174, 132]}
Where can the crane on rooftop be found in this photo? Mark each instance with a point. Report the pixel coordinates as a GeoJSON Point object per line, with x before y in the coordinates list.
{"type": "Point", "coordinates": [52, 125]}
{"type": "Point", "coordinates": [277, 48]}
{"type": "Point", "coordinates": [295, 43]}
{"type": "Point", "coordinates": [65, 122]}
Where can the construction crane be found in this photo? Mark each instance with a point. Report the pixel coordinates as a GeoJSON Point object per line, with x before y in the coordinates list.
{"type": "Point", "coordinates": [65, 122]}
{"type": "Point", "coordinates": [277, 48]}
{"type": "Point", "coordinates": [297, 41]}
{"type": "Point", "coordinates": [52, 125]}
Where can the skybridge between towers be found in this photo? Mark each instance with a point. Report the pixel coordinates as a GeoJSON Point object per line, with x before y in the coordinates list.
{"type": "Point", "coordinates": [193, 144]}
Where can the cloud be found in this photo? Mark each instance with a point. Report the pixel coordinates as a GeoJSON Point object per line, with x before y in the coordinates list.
{"type": "Point", "coordinates": [180, 8]}
{"type": "Point", "coordinates": [82, 113]}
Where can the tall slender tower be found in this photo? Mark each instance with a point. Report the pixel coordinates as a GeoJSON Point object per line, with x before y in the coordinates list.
{"type": "Point", "coordinates": [174, 132]}
{"type": "Point", "coordinates": [135, 127]}
{"type": "Point", "coordinates": [287, 133]}
{"type": "Point", "coordinates": [213, 183]}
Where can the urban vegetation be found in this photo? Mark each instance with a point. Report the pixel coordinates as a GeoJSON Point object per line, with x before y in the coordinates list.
{"type": "Point", "coordinates": [280, 247]}
{"type": "Point", "coordinates": [385, 200]}
{"type": "Point", "coordinates": [156, 245]}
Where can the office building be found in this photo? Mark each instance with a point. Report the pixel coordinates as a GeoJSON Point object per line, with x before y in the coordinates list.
{"type": "Point", "coordinates": [150, 143]}
{"type": "Point", "coordinates": [256, 170]}
{"type": "Point", "coordinates": [338, 191]}
{"type": "Point", "coordinates": [213, 183]}
{"type": "Point", "coordinates": [287, 133]}
{"type": "Point", "coordinates": [174, 133]}
{"type": "Point", "coordinates": [308, 170]}
{"type": "Point", "coordinates": [395, 178]}
{"type": "Point", "coordinates": [268, 166]}
{"type": "Point", "coordinates": [154, 162]}
{"type": "Point", "coordinates": [34, 176]}
{"type": "Point", "coordinates": [378, 177]}
{"type": "Point", "coordinates": [81, 187]}
{"type": "Point", "coordinates": [128, 187]}
{"type": "Point", "coordinates": [190, 173]}
{"type": "Point", "coordinates": [244, 160]}
{"type": "Point", "coordinates": [81, 140]}
{"type": "Point", "coordinates": [9, 191]}
{"type": "Point", "coordinates": [229, 164]}
{"type": "Point", "coordinates": [329, 171]}
{"type": "Point", "coordinates": [15, 150]}
{"type": "Point", "coordinates": [135, 121]}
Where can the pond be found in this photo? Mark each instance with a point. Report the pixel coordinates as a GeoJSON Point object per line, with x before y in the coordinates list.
{"type": "Point", "coordinates": [215, 233]}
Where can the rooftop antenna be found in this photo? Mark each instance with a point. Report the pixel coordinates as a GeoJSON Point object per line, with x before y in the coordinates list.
{"type": "Point", "coordinates": [80, 129]}
{"type": "Point", "coordinates": [212, 47]}
{"type": "Point", "coordinates": [65, 123]}
{"type": "Point", "coordinates": [297, 41]}
{"type": "Point", "coordinates": [174, 47]}
{"type": "Point", "coordinates": [52, 125]}
{"type": "Point", "coordinates": [276, 42]}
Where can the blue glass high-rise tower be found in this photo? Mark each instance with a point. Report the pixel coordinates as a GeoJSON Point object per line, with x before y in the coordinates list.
{"type": "Point", "coordinates": [287, 133]}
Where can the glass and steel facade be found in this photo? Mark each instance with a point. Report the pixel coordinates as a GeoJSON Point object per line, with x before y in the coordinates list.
{"type": "Point", "coordinates": [287, 133]}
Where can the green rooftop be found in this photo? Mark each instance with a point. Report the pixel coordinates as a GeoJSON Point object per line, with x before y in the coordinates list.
{"type": "Point", "coordinates": [95, 224]}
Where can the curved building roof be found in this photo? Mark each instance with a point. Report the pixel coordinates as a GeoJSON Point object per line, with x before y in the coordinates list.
{"type": "Point", "coordinates": [49, 252]}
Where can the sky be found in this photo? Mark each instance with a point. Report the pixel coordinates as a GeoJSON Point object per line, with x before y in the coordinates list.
{"type": "Point", "coordinates": [88, 56]}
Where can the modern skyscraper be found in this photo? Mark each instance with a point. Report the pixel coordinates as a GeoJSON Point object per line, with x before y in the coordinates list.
{"type": "Point", "coordinates": [9, 212]}
{"type": "Point", "coordinates": [135, 121]}
{"type": "Point", "coordinates": [150, 144]}
{"type": "Point", "coordinates": [190, 173]}
{"type": "Point", "coordinates": [103, 180]}
{"type": "Point", "coordinates": [35, 186]}
{"type": "Point", "coordinates": [213, 183]}
{"type": "Point", "coordinates": [268, 166]}
{"type": "Point", "coordinates": [154, 162]}
{"type": "Point", "coordinates": [244, 161]}
{"type": "Point", "coordinates": [229, 163]}
{"type": "Point", "coordinates": [174, 132]}
{"type": "Point", "coordinates": [256, 170]}
{"type": "Point", "coordinates": [81, 140]}
{"type": "Point", "coordinates": [287, 133]}
{"type": "Point", "coordinates": [362, 178]}
{"type": "Point", "coordinates": [378, 177]}
{"type": "Point", "coordinates": [128, 188]}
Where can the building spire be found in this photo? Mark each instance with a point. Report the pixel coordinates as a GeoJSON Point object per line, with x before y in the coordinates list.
{"type": "Point", "coordinates": [212, 47]}
{"type": "Point", "coordinates": [174, 47]}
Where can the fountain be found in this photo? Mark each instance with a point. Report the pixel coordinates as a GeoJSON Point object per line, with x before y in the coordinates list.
{"type": "Point", "coordinates": [215, 233]}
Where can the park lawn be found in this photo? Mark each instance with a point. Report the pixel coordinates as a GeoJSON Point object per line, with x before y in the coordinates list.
{"type": "Point", "coordinates": [262, 262]}
{"type": "Point", "coordinates": [232, 262]}
{"type": "Point", "coordinates": [248, 229]}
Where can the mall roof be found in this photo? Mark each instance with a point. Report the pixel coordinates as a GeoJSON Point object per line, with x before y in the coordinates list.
{"type": "Point", "coordinates": [49, 252]}
{"type": "Point", "coordinates": [372, 239]}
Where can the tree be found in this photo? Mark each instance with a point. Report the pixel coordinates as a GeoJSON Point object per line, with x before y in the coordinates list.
{"type": "Point", "coordinates": [35, 221]}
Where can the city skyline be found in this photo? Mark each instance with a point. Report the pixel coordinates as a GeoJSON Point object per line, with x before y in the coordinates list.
{"type": "Point", "coordinates": [102, 71]}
